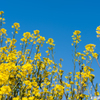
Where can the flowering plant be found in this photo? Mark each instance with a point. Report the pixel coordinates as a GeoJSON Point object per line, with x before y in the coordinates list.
{"type": "Point", "coordinates": [27, 76]}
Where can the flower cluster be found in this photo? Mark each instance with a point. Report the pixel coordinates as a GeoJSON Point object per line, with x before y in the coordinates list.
{"type": "Point", "coordinates": [33, 75]}
{"type": "Point", "coordinates": [76, 37]}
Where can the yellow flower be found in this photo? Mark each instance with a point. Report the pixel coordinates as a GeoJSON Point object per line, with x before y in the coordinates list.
{"type": "Point", "coordinates": [12, 26]}
{"type": "Point", "coordinates": [90, 47]}
{"type": "Point", "coordinates": [27, 67]}
{"type": "Point", "coordinates": [98, 31]}
{"type": "Point", "coordinates": [68, 85]}
{"type": "Point", "coordinates": [47, 51]}
{"type": "Point", "coordinates": [95, 55]}
{"type": "Point", "coordinates": [24, 98]}
{"type": "Point", "coordinates": [27, 35]}
{"type": "Point", "coordinates": [96, 93]}
{"type": "Point", "coordinates": [83, 58]}
{"type": "Point", "coordinates": [71, 82]}
{"type": "Point", "coordinates": [3, 30]}
{"type": "Point", "coordinates": [12, 56]}
{"type": "Point", "coordinates": [66, 76]}
{"type": "Point", "coordinates": [8, 39]}
{"type": "Point", "coordinates": [76, 32]}
{"type": "Point", "coordinates": [50, 41]}
{"type": "Point", "coordinates": [98, 36]}
{"type": "Point", "coordinates": [82, 95]}
{"type": "Point", "coordinates": [5, 89]}
{"type": "Point", "coordinates": [31, 98]}
{"type": "Point", "coordinates": [16, 25]}
{"type": "Point", "coordinates": [3, 19]}
{"type": "Point", "coordinates": [67, 89]}
{"type": "Point", "coordinates": [1, 12]}
{"type": "Point", "coordinates": [98, 28]}
{"type": "Point", "coordinates": [36, 32]}
{"type": "Point", "coordinates": [16, 32]}
{"type": "Point", "coordinates": [16, 98]}
{"type": "Point", "coordinates": [72, 44]}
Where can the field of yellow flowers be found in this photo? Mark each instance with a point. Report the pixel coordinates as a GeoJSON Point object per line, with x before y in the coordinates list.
{"type": "Point", "coordinates": [28, 76]}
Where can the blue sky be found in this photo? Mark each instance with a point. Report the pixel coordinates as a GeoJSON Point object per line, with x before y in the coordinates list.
{"type": "Point", "coordinates": [57, 19]}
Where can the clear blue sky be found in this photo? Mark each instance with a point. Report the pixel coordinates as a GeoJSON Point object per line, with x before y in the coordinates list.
{"type": "Point", "coordinates": [57, 19]}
